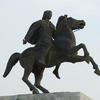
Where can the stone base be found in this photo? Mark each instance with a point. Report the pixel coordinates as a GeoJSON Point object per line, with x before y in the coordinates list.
{"type": "Point", "coordinates": [49, 96]}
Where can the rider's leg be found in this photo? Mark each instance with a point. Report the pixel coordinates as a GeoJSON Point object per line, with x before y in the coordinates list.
{"type": "Point", "coordinates": [42, 50]}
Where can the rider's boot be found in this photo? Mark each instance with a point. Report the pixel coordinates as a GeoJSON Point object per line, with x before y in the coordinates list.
{"type": "Point", "coordinates": [55, 72]}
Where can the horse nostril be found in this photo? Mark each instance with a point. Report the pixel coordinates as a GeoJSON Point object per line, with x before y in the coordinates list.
{"type": "Point", "coordinates": [82, 23]}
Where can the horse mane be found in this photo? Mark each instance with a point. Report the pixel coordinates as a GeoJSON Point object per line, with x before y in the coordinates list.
{"type": "Point", "coordinates": [61, 26]}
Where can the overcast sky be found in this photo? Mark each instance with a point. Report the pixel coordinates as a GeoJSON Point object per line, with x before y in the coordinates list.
{"type": "Point", "coordinates": [15, 18]}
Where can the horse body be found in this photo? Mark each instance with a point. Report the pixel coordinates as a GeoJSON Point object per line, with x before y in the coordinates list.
{"type": "Point", "coordinates": [56, 55]}
{"type": "Point", "coordinates": [26, 57]}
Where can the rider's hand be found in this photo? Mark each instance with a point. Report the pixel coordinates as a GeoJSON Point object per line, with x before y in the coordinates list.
{"type": "Point", "coordinates": [24, 41]}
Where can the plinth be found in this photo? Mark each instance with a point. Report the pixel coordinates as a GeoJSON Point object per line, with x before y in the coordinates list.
{"type": "Point", "coordinates": [49, 96]}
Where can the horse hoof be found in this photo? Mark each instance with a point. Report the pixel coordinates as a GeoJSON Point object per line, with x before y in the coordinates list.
{"type": "Point", "coordinates": [35, 92]}
{"type": "Point", "coordinates": [46, 91]}
{"type": "Point", "coordinates": [56, 74]}
{"type": "Point", "coordinates": [97, 72]}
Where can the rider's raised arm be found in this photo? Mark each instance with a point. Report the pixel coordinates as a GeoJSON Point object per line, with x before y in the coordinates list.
{"type": "Point", "coordinates": [31, 30]}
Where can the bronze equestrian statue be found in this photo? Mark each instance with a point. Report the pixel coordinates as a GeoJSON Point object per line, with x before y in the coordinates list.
{"type": "Point", "coordinates": [64, 49]}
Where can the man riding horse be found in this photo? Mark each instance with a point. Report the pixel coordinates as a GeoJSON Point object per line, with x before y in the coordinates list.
{"type": "Point", "coordinates": [41, 33]}
{"type": "Point", "coordinates": [64, 34]}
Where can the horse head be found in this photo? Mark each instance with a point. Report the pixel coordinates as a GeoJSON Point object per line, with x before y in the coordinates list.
{"type": "Point", "coordinates": [75, 24]}
{"type": "Point", "coordinates": [70, 22]}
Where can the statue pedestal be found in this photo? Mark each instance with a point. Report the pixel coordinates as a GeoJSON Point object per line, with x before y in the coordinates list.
{"type": "Point", "coordinates": [49, 96]}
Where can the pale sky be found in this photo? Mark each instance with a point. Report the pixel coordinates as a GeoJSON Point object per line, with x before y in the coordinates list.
{"type": "Point", "coordinates": [15, 18]}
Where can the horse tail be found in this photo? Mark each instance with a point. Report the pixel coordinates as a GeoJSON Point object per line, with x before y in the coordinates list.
{"type": "Point", "coordinates": [11, 62]}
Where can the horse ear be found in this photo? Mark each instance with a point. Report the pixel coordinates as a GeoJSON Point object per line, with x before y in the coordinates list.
{"type": "Point", "coordinates": [66, 16]}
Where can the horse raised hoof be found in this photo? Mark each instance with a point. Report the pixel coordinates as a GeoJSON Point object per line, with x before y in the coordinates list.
{"type": "Point", "coordinates": [97, 72]}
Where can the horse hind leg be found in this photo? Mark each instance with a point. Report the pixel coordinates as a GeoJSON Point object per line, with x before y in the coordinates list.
{"type": "Point", "coordinates": [38, 78]}
{"type": "Point", "coordinates": [27, 71]}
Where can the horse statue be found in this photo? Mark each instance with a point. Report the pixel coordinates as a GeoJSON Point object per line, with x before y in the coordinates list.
{"type": "Point", "coordinates": [63, 50]}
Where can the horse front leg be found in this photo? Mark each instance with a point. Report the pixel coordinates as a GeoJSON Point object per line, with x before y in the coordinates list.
{"type": "Point", "coordinates": [86, 53]}
{"type": "Point", "coordinates": [77, 58]}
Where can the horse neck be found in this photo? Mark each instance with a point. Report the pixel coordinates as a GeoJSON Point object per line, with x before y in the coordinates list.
{"type": "Point", "coordinates": [69, 34]}
{"type": "Point", "coordinates": [65, 31]}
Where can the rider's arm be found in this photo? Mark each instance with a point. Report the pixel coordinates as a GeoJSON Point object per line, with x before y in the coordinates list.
{"type": "Point", "coordinates": [31, 30]}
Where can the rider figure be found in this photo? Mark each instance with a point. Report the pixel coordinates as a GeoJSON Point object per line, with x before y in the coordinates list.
{"type": "Point", "coordinates": [41, 33]}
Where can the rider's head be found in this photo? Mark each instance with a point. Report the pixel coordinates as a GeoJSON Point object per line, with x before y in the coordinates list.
{"type": "Point", "coordinates": [47, 14]}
